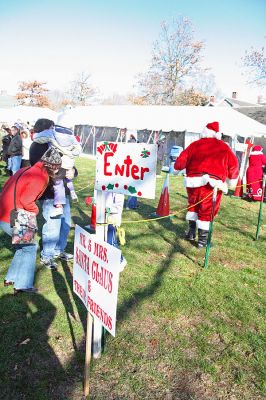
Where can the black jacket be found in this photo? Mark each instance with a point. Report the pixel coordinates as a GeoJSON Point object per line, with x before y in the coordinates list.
{"type": "Point", "coordinates": [5, 144]}
{"type": "Point", "coordinates": [15, 146]}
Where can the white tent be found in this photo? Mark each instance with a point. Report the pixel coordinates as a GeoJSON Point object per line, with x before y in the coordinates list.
{"type": "Point", "coordinates": [26, 113]}
{"type": "Point", "coordinates": [166, 118]}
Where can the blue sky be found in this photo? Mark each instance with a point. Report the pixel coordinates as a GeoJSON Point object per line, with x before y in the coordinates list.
{"type": "Point", "coordinates": [54, 40]}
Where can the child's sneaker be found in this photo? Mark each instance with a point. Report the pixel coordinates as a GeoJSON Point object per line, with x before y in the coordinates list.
{"type": "Point", "coordinates": [65, 256]}
{"type": "Point", "coordinates": [74, 197]}
{"type": "Point", "coordinates": [58, 212]}
{"type": "Point", "coordinates": [49, 263]}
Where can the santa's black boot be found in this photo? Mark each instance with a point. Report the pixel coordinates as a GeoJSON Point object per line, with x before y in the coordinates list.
{"type": "Point", "coordinates": [191, 232]}
{"type": "Point", "coordinates": [202, 238]}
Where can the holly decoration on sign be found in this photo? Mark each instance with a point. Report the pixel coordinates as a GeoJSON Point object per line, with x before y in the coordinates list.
{"type": "Point", "coordinates": [110, 186]}
{"type": "Point", "coordinates": [145, 153]}
{"type": "Point", "coordinates": [107, 146]}
{"type": "Point", "coordinates": [131, 189]}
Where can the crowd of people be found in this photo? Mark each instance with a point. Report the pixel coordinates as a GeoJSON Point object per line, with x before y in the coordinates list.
{"type": "Point", "coordinates": [41, 165]}
{"type": "Point", "coordinates": [41, 162]}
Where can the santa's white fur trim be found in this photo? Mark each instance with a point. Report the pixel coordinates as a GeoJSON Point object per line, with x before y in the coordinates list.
{"type": "Point", "coordinates": [191, 216]}
{"type": "Point", "coordinates": [256, 153]}
{"type": "Point", "coordinates": [209, 133]}
{"type": "Point", "coordinates": [232, 183]}
{"type": "Point", "coordinates": [197, 181]}
{"type": "Point", "coordinates": [205, 225]}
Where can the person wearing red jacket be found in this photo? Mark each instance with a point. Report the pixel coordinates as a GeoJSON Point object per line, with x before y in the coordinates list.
{"type": "Point", "coordinates": [30, 184]}
{"type": "Point", "coordinates": [209, 163]}
{"type": "Point", "coordinates": [257, 161]}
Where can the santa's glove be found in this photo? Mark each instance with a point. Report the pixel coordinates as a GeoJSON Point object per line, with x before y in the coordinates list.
{"type": "Point", "coordinates": [121, 236]}
{"type": "Point", "coordinates": [221, 186]}
{"type": "Point", "coordinates": [264, 170]}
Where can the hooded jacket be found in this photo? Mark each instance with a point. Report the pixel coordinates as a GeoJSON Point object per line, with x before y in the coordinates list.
{"type": "Point", "coordinates": [30, 186]}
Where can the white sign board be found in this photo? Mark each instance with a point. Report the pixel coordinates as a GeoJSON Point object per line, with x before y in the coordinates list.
{"type": "Point", "coordinates": [96, 276]}
{"type": "Point", "coordinates": [241, 147]}
{"type": "Point", "coordinates": [126, 168]}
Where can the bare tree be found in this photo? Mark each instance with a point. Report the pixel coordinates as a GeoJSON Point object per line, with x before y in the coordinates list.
{"type": "Point", "coordinates": [81, 89]}
{"type": "Point", "coordinates": [175, 56]}
{"type": "Point", "coordinates": [59, 99]}
{"type": "Point", "coordinates": [255, 62]}
{"type": "Point", "coordinates": [32, 94]}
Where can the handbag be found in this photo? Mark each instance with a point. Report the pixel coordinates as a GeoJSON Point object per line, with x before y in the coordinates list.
{"type": "Point", "coordinates": [22, 222]}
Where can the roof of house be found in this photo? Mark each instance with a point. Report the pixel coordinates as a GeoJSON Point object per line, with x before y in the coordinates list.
{"type": "Point", "coordinates": [231, 102]}
{"type": "Point", "coordinates": [239, 103]}
{"type": "Point", "coordinates": [256, 113]}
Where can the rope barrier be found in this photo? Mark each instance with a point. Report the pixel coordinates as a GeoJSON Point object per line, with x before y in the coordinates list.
{"type": "Point", "coordinates": [174, 214]}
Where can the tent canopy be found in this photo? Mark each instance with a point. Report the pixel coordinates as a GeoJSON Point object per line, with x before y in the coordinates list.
{"type": "Point", "coordinates": [166, 118]}
{"type": "Point", "coordinates": [26, 113]}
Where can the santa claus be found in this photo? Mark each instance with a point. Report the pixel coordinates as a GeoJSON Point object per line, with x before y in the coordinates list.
{"type": "Point", "coordinates": [257, 161]}
{"type": "Point", "coordinates": [209, 163]}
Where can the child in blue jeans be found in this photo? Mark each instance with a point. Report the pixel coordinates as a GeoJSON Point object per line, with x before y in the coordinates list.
{"type": "Point", "coordinates": [63, 139]}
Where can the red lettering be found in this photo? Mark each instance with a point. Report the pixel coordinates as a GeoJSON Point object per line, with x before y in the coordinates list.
{"type": "Point", "coordinates": [128, 162]}
{"type": "Point", "coordinates": [100, 313]}
{"type": "Point", "coordinates": [134, 171]}
{"type": "Point", "coordinates": [143, 170]}
{"type": "Point", "coordinates": [119, 170]}
{"type": "Point", "coordinates": [82, 239]}
{"type": "Point", "coordinates": [106, 164]}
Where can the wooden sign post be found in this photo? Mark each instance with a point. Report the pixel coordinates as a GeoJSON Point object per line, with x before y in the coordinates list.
{"type": "Point", "coordinates": [86, 388]}
{"type": "Point", "coordinates": [95, 281]}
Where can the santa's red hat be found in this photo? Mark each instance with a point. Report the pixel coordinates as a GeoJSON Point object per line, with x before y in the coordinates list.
{"type": "Point", "coordinates": [211, 130]}
{"type": "Point", "coordinates": [256, 150]}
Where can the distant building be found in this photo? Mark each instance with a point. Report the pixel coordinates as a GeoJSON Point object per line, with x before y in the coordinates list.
{"type": "Point", "coordinates": [233, 102]}
{"type": "Point", "coordinates": [7, 100]}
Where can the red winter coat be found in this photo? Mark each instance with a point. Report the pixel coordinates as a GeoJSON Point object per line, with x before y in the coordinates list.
{"type": "Point", "coordinates": [208, 159]}
{"type": "Point", "coordinates": [30, 187]}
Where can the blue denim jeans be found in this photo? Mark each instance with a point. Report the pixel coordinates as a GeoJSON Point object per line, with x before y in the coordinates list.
{"type": "Point", "coordinates": [112, 237]}
{"type": "Point", "coordinates": [132, 202]}
{"type": "Point", "coordinates": [22, 267]}
{"type": "Point", "coordinates": [15, 163]}
{"type": "Point", "coordinates": [55, 230]}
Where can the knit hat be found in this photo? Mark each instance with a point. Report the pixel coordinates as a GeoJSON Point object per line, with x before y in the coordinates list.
{"type": "Point", "coordinates": [51, 158]}
{"type": "Point", "coordinates": [211, 130]}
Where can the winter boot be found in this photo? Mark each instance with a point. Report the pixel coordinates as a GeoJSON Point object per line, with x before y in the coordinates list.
{"type": "Point", "coordinates": [191, 232]}
{"type": "Point", "coordinates": [203, 238]}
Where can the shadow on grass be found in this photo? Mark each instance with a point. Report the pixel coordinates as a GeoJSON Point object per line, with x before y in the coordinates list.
{"type": "Point", "coordinates": [83, 218]}
{"type": "Point", "coordinates": [29, 367]}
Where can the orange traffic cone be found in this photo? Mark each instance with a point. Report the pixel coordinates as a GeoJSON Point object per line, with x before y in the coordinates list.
{"type": "Point", "coordinates": [163, 208]}
{"type": "Point", "coordinates": [239, 188]}
{"type": "Point", "coordinates": [89, 200]}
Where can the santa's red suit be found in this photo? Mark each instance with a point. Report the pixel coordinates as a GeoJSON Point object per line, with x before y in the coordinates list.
{"type": "Point", "coordinates": [257, 161]}
{"type": "Point", "coordinates": [209, 163]}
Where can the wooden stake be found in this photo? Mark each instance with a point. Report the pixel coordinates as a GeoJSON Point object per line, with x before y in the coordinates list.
{"type": "Point", "coordinates": [88, 356]}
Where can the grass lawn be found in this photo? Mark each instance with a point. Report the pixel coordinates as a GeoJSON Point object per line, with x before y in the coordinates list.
{"type": "Point", "coordinates": [183, 332]}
